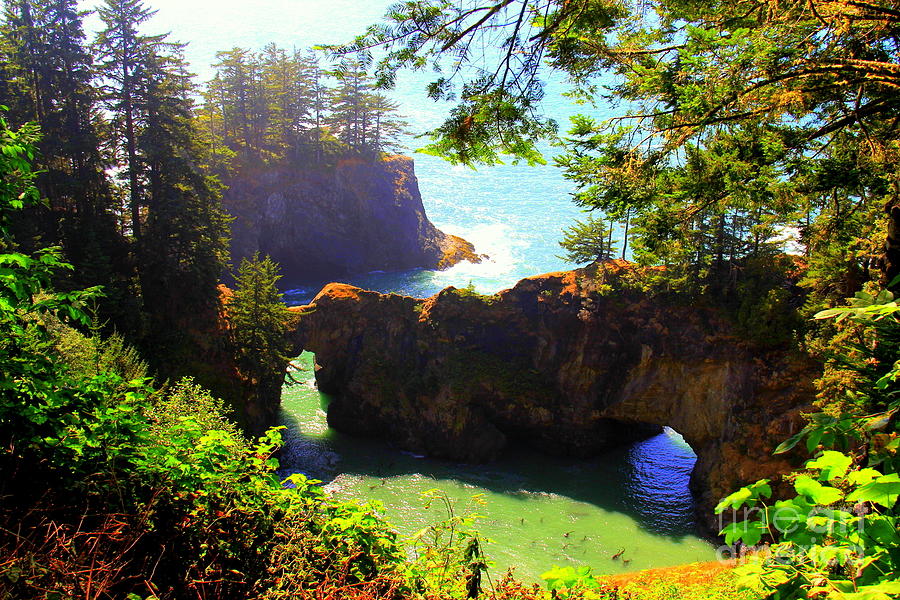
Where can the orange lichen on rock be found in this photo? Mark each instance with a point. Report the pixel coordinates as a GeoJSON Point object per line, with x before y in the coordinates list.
{"type": "Point", "coordinates": [570, 284]}
{"type": "Point", "coordinates": [338, 291]}
{"type": "Point", "coordinates": [685, 575]}
{"type": "Point", "coordinates": [455, 250]}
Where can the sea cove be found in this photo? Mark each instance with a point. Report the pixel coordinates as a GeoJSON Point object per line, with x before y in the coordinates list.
{"type": "Point", "coordinates": [537, 511]}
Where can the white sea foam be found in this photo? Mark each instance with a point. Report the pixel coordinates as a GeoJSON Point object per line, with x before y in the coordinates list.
{"type": "Point", "coordinates": [496, 240]}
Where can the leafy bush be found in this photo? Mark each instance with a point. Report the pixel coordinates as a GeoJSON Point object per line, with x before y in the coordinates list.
{"type": "Point", "coordinates": [89, 355]}
{"type": "Point", "coordinates": [838, 537]}
{"type": "Point", "coordinates": [108, 496]}
{"type": "Point", "coordinates": [187, 400]}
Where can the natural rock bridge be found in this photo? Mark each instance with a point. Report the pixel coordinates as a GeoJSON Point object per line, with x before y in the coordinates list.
{"type": "Point", "coordinates": [558, 365]}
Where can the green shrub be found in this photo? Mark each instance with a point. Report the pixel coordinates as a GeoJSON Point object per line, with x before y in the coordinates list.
{"type": "Point", "coordinates": [188, 400]}
{"type": "Point", "coordinates": [89, 355]}
{"type": "Point", "coordinates": [837, 538]}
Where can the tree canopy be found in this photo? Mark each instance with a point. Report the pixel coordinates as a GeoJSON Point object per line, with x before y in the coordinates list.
{"type": "Point", "coordinates": [740, 121]}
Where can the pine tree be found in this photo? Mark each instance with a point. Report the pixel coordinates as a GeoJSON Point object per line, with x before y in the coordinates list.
{"type": "Point", "coordinates": [314, 90]}
{"type": "Point", "coordinates": [44, 47]}
{"type": "Point", "coordinates": [123, 53]}
{"type": "Point", "coordinates": [179, 229]}
{"type": "Point", "coordinates": [184, 246]}
{"type": "Point", "coordinates": [364, 120]}
{"type": "Point", "coordinates": [50, 72]}
{"type": "Point", "coordinates": [259, 321]}
{"type": "Point", "coordinates": [244, 108]}
{"type": "Point", "coordinates": [587, 241]}
{"type": "Point", "coordinates": [349, 116]}
{"type": "Point", "coordinates": [387, 127]}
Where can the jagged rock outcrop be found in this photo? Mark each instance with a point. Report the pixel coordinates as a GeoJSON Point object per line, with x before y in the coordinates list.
{"type": "Point", "coordinates": [356, 217]}
{"type": "Point", "coordinates": [559, 363]}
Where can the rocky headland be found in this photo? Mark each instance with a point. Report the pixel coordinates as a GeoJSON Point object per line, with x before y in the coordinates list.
{"type": "Point", "coordinates": [558, 362]}
{"type": "Point", "coordinates": [354, 217]}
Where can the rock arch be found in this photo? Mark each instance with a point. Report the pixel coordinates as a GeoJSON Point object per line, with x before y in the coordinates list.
{"type": "Point", "coordinates": [558, 363]}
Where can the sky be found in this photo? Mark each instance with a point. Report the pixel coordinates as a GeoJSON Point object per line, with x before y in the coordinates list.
{"type": "Point", "coordinates": [210, 26]}
{"type": "Point", "coordinates": [213, 25]}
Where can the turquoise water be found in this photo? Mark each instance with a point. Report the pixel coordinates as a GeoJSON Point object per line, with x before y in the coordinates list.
{"type": "Point", "coordinates": [539, 511]}
{"type": "Point", "coordinates": [514, 214]}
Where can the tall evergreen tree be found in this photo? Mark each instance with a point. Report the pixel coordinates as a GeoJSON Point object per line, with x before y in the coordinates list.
{"type": "Point", "coordinates": [364, 120]}
{"type": "Point", "coordinates": [259, 323]}
{"type": "Point", "coordinates": [184, 248]}
{"type": "Point", "coordinates": [179, 229]}
{"type": "Point", "coordinates": [53, 71]}
{"type": "Point", "coordinates": [123, 53]}
{"type": "Point", "coordinates": [50, 82]}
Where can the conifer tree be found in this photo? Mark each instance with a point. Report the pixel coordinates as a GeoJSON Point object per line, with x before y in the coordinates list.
{"type": "Point", "coordinates": [587, 241]}
{"type": "Point", "coordinates": [53, 71]}
{"type": "Point", "coordinates": [50, 73]}
{"type": "Point", "coordinates": [184, 246]}
{"type": "Point", "coordinates": [259, 321]}
{"type": "Point", "coordinates": [123, 53]}
{"type": "Point", "coordinates": [179, 230]}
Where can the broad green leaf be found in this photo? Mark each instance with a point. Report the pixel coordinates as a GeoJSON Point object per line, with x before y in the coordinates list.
{"type": "Point", "coordinates": [749, 532]}
{"type": "Point", "coordinates": [863, 476]}
{"type": "Point", "coordinates": [815, 491]}
{"type": "Point", "coordinates": [882, 491]}
{"type": "Point", "coordinates": [881, 529]}
{"type": "Point", "coordinates": [831, 464]}
{"type": "Point", "coordinates": [746, 495]}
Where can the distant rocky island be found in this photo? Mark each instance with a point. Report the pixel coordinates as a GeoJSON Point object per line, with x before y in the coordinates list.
{"type": "Point", "coordinates": [351, 218]}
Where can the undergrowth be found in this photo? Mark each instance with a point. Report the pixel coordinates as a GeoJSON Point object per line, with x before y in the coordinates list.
{"type": "Point", "coordinates": [114, 488]}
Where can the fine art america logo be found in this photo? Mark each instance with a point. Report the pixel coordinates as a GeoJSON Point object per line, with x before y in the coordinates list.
{"type": "Point", "coordinates": [807, 528]}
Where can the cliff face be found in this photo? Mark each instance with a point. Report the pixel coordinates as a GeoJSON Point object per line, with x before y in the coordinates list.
{"type": "Point", "coordinates": [556, 364]}
{"type": "Point", "coordinates": [357, 217]}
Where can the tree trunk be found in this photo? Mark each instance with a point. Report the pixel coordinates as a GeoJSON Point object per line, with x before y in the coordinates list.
{"type": "Point", "coordinates": [891, 258]}
{"type": "Point", "coordinates": [133, 193]}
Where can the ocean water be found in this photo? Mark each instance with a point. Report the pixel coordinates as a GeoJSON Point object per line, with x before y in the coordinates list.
{"type": "Point", "coordinates": [538, 511]}
{"type": "Point", "coordinates": [514, 214]}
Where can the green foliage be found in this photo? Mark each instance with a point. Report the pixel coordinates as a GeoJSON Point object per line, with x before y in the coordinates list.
{"type": "Point", "coordinates": [588, 241]}
{"type": "Point", "coordinates": [45, 413]}
{"type": "Point", "coordinates": [17, 188]}
{"type": "Point", "coordinates": [837, 537]}
{"type": "Point", "coordinates": [187, 400]}
{"type": "Point", "coordinates": [860, 387]}
{"type": "Point", "coordinates": [572, 580]}
{"type": "Point", "coordinates": [448, 557]}
{"type": "Point", "coordinates": [120, 168]}
{"type": "Point", "coordinates": [497, 114]}
{"type": "Point", "coordinates": [275, 108]}
{"type": "Point", "coordinates": [745, 130]}
{"type": "Point", "coordinates": [259, 320]}
{"type": "Point", "coordinates": [176, 502]}
{"type": "Point", "coordinates": [89, 355]}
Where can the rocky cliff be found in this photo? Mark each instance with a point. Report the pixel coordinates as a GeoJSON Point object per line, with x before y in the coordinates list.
{"type": "Point", "coordinates": [356, 217]}
{"type": "Point", "coordinates": [557, 362]}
